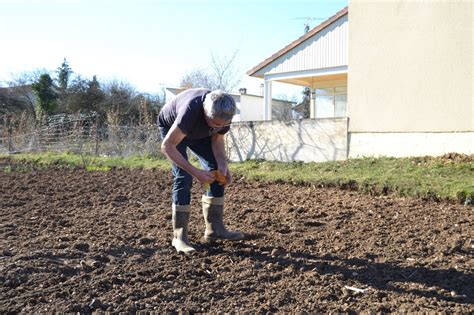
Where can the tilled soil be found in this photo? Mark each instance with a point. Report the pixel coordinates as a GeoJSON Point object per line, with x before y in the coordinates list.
{"type": "Point", "coordinates": [78, 241]}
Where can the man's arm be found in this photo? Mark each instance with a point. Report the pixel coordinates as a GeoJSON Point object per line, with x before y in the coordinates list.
{"type": "Point", "coordinates": [168, 147]}
{"type": "Point", "coordinates": [218, 148]}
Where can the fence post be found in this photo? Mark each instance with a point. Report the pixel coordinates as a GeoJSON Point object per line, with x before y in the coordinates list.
{"type": "Point", "coordinates": [10, 132]}
{"type": "Point", "coordinates": [97, 137]}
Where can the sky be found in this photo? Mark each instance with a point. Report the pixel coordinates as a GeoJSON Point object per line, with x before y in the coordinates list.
{"type": "Point", "coordinates": [151, 44]}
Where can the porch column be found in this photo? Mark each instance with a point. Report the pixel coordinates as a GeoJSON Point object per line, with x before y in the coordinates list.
{"type": "Point", "coordinates": [267, 100]}
{"type": "Point", "coordinates": [312, 108]}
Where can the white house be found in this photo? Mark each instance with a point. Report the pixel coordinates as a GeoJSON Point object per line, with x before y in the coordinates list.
{"type": "Point", "coordinates": [398, 74]}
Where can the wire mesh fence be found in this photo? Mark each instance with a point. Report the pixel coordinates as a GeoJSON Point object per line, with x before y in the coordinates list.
{"type": "Point", "coordinates": [80, 134]}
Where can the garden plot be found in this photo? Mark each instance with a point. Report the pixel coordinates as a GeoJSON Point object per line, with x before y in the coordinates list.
{"type": "Point", "coordinates": [73, 240]}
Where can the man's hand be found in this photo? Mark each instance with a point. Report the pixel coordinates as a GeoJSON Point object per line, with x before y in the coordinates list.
{"type": "Point", "coordinates": [226, 173]}
{"type": "Point", "coordinates": [228, 178]}
{"type": "Point", "coordinates": [218, 148]}
{"type": "Point", "coordinates": [204, 177]}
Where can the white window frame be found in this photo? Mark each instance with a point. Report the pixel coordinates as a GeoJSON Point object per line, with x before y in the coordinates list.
{"type": "Point", "coordinates": [332, 93]}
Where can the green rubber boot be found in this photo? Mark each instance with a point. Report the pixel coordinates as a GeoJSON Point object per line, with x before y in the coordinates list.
{"type": "Point", "coordinates": [180, 220]}
{"type": "Point", "coordinates": [213, 211]}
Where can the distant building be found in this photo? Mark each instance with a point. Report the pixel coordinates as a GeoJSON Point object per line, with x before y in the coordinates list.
{"type": "Point", "coordinates": [17, 99]}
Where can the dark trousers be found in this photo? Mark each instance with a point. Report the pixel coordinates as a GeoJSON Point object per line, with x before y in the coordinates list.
{"type": "Point", "coordinates": [182, 180]}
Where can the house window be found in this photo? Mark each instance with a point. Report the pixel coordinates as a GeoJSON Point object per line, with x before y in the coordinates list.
{"type": "Point", "coordinates": [331, 102]}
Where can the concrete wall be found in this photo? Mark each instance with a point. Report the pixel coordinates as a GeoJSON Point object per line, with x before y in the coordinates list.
{"type": "Point", "coordinates": [309, 140]}
{"type": "Point", "coordinates": [409, 144]}
{"type": "Point", "coordinates": [410, 67]}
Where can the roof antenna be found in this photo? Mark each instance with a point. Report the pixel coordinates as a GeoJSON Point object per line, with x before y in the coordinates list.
{"type": "Point", "coordinates": [306, 28]}
{"type": "Point", "coordinates": [307, 19]}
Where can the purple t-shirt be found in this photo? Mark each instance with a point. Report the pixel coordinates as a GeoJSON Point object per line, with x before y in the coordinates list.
{"type": "Point", "coordinates": [187, 110]}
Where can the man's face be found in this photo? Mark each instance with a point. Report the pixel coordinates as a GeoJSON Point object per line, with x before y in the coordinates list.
{"type": "Point", "coordinates": [217, 122]}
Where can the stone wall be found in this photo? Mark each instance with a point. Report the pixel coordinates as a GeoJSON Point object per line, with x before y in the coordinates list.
{"type": "Point", "coordinates": [309, 140]}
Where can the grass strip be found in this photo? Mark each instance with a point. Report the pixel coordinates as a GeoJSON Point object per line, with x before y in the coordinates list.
{"type": "Point", "coordinates": [449, 177]}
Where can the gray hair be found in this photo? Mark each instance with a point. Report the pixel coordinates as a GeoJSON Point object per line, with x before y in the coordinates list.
{"type": "Point", "coordinates": [219, 104]}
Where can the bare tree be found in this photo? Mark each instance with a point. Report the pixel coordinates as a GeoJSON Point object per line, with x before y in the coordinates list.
{"type": "Point", "coordinates": [225, 72]}
{"type": "Point", "coordinates": [149, 107]}
{"type": "Point", "coordinates": [221, 74]}
{"type": "Point", "coordinates": [25, 77]}
{"type": "Point", "coordinates": [197, 78]}
{"type": "Point", "coordinates": [119, 99]}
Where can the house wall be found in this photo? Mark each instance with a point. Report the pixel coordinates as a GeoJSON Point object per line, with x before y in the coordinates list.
{"type": "Point", "coordinates": [410, 71]}
{"type": "Point", "coordinates": [309, 140]}
{"type": "Point", "coordinates": [409, 144]}
{"type": "Point", "coordinates": [251, 108]}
